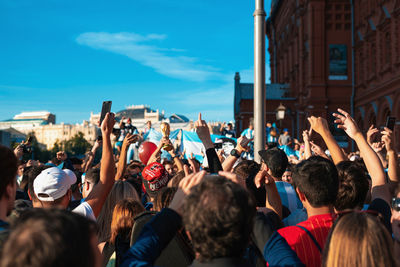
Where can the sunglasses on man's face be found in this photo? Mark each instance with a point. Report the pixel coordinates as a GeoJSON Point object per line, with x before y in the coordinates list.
{"type": "Point", "coordinates": [396, 203]}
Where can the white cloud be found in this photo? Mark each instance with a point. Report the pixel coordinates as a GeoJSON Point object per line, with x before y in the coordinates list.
{"type": "Point", "coordinates": [142, 48]}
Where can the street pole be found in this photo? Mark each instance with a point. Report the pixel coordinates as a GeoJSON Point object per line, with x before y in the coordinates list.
{"type": "Point", "coordinates": [259, 79]}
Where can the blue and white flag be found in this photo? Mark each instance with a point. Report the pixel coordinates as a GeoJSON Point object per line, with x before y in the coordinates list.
{"type": "Point", "coordinates": [155, 136]}
{"type": "Point", "coordinates": [191, 143]}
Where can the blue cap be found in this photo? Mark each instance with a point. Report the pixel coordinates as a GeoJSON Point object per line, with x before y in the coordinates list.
{"type": "Point", "coordinates": [285, 130]}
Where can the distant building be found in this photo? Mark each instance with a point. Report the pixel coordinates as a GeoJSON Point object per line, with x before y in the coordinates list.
{"type": "Point", "coordinates": [275, 95]}
{"type": "Point", "coordinates": [44, 115]}
{"type": "Point", "coordinates": [25, 121]}
{"type": "Point", "coordinates": [141, 114]}
{"type": "Point", "coordinates": [50, 134]}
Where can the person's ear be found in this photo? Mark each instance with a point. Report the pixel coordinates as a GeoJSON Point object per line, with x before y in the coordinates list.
{"type": "Point", "coordinates": [264, 167]}
{"type": "Point", "coordinates": [302, 197]}
{"type": "Point", "coordinates": [29, 195]}
{"type": "Point", "coordinates": [87, 186]}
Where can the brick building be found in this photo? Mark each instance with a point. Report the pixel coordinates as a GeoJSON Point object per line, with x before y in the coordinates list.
{"type": "Point", "coordinates": [276, 94]}
{"type": "Point", "coordinates": [377, 62]}
{"type": "Point", "coordinates": [310, 47]}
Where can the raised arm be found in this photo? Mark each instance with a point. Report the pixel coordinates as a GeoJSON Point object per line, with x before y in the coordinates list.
{"type": "Point", "coordinates": [307, 145]}
{"type": "Point", "coordinates": [389, 139]}
{"type": "Point", "coordinates": [92, 153]}
{"type": "Point", "coordinates": [273, 200]}
{"type": "Point", "coordinates": [98, 195]}
{"type": "Point", "coordinates": [203, 132]}
{"type": "Point", "coordinates": [241, 147]}
{"type": "Point", "coordinates": [157, 152]}
{"type": "Point", "coordinates": [371, 160]}
{"type": "Point", "coordinates": [129, 139]}
{"type": "Point", "coordinates": [320, 125]}
{"type": "Point", "coordinates": [177, 160]}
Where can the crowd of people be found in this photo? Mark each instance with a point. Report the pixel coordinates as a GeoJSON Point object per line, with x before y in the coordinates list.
{"type": "Point", "coordinates": [302, 205]}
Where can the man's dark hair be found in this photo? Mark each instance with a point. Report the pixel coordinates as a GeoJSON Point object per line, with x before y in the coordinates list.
{"type": "Point", "coordinates": [353, 186]}
{"type": "Point", "coordinates": [32, 174]}
{"type": "Point", "coordinates": [248, 169]}
{"type": "Point", "coordinates": [276, 160]}
{"type": "Point", "coordinates": [164, 198]}
{"type": "Point", "coordinates": [168, 162]}
{"type": "Point", "coordinates": [93, 176]}
{"type": "Point", "coordinates": [75, 160]}
{"type": "Point", "coordinates": [8, 168]}
{"type": "Point", "coordinates": [317, 179]}
{"type": "Point", "coordinates": [219, 215]}
{"type": "Point", "coordinates": [51, 237]}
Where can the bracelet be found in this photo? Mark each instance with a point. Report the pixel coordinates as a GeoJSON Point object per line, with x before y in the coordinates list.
{"type": "Point", "coordinates": [395, 238]}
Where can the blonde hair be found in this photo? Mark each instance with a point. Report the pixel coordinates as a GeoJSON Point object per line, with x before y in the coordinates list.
{"type": "Point", "coordinates": [122, 219]}
{"type": "Point", "coordinates": [358, 239]}
{"type": "Point", "coordinates": [121, 190]}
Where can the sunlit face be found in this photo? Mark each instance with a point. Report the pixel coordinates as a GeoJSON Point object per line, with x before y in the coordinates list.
{"type": "Point", "coordinates": [21, 169]}
{"type": "Point", "coordinates": [170, 169]}
{"type": "Point", "coordinates": [287, 176]}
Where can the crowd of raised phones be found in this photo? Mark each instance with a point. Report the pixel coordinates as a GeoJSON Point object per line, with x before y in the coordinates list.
{"type": "Point", "coordinates": [312, 207]}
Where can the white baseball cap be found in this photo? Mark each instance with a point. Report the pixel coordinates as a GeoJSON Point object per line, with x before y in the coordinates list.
{"type": "Point", "coordinates": [53, 183]}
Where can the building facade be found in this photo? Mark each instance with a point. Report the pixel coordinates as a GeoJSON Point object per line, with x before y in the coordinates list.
{"type": "Point", "coordinates": [276, 94]}
{"type": "Point", "coordinates": [310, 49]}
{"type": "Point", "coordinates": [50, 134]}
{"type": "Point", "coordinates": [377, 62]}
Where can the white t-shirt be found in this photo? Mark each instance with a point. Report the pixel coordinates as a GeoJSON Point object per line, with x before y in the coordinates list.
{"type": "Point", "coordinates": [85, 210]}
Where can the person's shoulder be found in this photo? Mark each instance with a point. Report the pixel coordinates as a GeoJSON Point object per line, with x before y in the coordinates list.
{"type": "Point", "coordinates": [288, 231]}
{"type": "Point", "coordinates": [85, 210]}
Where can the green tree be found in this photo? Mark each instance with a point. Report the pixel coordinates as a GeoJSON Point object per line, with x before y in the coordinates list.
{"type": "Point", "coordinates": [77, 145]}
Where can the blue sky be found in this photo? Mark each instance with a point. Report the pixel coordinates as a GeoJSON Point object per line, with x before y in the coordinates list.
{"type": "Point", "coordinates": [67, 56]}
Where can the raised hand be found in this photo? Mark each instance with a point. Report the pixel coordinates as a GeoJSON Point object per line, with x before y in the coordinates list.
{"type": "Point", "coordinates": [372, 131]}
{"type": "Point", "coordinates": [317, 150]}
{"type": "Point", "coordinates": [262, 177]}
{"type": "Point", "coordinates": [185, 185]}
{"type": "Point", "coordinates": [108, 124]}
{"type": "Point", "coordinates": [306, 136]}
{"type": "Point", "coordinates": [61, 155]}
{"type": "Point", "coordinates": [130, 139]}
{"type": "Point", "coordinates": [388, 139]}
{"type": "Point", "coordinates": [318, 124]}
{"type": "Point", "coordinates": [19, 151]}
{"type": "Point", "coordinates": [347, 123]}
{"type": "Point", "coordinates": [203, 132]}
{"type": "Point", "coordinates": [242, 144]}
{"type": "Point", "coordinates": [233, 177]}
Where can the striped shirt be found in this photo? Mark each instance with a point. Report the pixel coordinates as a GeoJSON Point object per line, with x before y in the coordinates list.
{"type": "Point", "coordinates": [302, 244]}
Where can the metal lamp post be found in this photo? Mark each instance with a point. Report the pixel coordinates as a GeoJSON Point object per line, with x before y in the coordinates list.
{"type": "Point", "coordinates": [259, 79]}
{"type": "Point", "coordinates": [280, 114]}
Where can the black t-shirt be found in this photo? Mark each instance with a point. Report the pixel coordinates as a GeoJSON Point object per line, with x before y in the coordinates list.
{"type": "Point", "coordinates": [228, 133]}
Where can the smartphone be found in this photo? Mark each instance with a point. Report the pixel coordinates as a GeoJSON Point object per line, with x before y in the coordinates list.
{"type": "Point", "coordinates": [104, 110]}
{"type": "Point", "coordinates": [390, 122]}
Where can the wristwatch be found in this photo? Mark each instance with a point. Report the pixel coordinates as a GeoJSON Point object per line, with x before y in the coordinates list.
{"type": "Point", "coordinates": [235, 153]}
